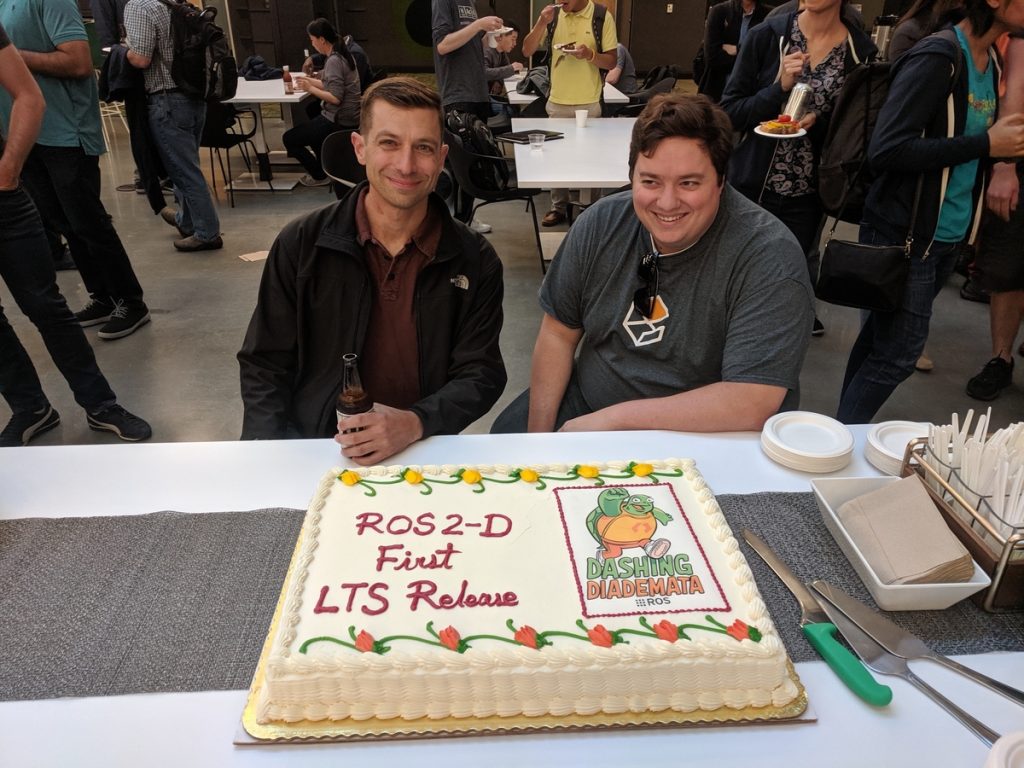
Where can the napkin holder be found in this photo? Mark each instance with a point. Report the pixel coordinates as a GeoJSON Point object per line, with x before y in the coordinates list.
{"type": "Point", "coordinates": [997, 547]}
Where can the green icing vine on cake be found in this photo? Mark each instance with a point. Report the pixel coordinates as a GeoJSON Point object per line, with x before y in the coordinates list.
{"type": "Point", "coordinates": [527, 636]}
{"type": "Point", "coordinates": [475, 478]}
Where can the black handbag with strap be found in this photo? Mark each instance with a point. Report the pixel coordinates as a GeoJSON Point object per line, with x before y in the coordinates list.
{"type": "Point", "coordinates": [866, 276]}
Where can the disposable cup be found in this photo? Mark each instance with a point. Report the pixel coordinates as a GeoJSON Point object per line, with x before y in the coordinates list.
{"type": "Point", "coordinates": [536, 141]}
{"type": "Point", "coordinates": [581, 118]}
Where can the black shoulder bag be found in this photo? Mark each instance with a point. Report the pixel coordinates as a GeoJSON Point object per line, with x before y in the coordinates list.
{"type": "Point", "coordinates": [866, 276]}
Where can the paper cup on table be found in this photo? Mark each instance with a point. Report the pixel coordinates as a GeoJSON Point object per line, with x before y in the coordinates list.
{"type": "Point", "coordinates": [581, 118]}
{"type": "Point", "coordinates": [536, 141]}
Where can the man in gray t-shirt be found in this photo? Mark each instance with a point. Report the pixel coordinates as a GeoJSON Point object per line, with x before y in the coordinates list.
{"type": "Point", "coordinates": [459, 56]}
{"type": "Point", "coordinates": [689, 306]}
{"type": "Point", "coordinates": [623, 74]}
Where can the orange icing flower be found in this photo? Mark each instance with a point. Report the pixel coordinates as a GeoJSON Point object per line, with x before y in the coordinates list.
{"type": "Point", "coordinates": [642, 470]}
{"type": "Point", "coordinates": [526, 635]}
{"type": "Point", "coordinates": [666, 630]}
{"type": "Point", "coordinates": [601, 636]}
{"type": "Point", "coordinates": [412, 477]}
{"type": "Point", "coordinates": [585, 470]}
{"type": "Point", "coordinates": [450, 638]}
{"type": "Point", "coordinates": [364, 642]}
{"type": "Point", "coordinates": [739, 630]}
{"type": "Point", "coordinates": [528, 476]}
{"type": "Point", "coordinates": [348, 477]}
{"type": "Point", "coordinates": [471, 476]}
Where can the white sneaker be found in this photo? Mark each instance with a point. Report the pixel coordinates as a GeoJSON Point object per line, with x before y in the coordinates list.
{"type": "Point", "coordinates": [478, 226]}
{"type": "Point", "coordinates": [309, 181]}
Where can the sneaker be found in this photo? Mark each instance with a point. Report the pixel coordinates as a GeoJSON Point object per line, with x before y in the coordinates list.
{"type": "Point", "coordinates": [193, 243]}
{"type": "Point", "coordinates": [170, 215]}
{"type": "Point", "coordinates": [924, 364]}
{"type": "Point", "coordinates": [95, 312]}
{"type": "Point", "coordinates": [478, 226]}
{"type": "Point", "coordinates": [312, 181]}
{"type": "Point", "coordinates": [553, 218]}
{"type": "Point", "coordinates": [140, 188]}
{"type": "Point", "coordinates": [26, 425]}
{"type": "Point", "coordinates": [124, 321]}
{"type": "Point", "coordinates": [817, 329]}
{"type": "Point", "coordinates": [116, 419]}
{"type": "Point", "coordinates": [971, 292]}
{"type": "Point", "coordinates": [993, 379]}
{"type": "Point", "coordinates": [1020, 349]}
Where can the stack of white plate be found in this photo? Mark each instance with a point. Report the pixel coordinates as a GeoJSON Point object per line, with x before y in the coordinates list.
{"type": "Point", "coordinates": [807, 441]}
{"type": "Point", "coordinates": [887, 441]}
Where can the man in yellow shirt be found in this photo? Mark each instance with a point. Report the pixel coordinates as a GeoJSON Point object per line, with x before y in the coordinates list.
{"type": "Point", "coordinates": [575, 63]}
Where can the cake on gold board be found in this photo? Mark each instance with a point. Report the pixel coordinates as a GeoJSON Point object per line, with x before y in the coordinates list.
{"type": "Point", "coordinates": [441, 599]}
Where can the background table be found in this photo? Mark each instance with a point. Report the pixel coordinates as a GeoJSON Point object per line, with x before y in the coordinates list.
{"type": "Point", "coordinates": [254, 93]}
{"type": "Point", "coordinates": [595, 157]}
{"type": "Point", "coordinates": [612, 95]}
{"type": "Point", "coordinates": [196, 729]}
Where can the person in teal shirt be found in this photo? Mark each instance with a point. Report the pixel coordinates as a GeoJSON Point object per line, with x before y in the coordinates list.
{"type": "Point", "coordinates": [62, 172]}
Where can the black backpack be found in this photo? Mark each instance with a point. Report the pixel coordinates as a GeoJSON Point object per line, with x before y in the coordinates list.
{"type": "Point", "coordinates": [536, 82]}
{"type": "Point", "coordinates": [203, 66]}
{"type": "Point", "coordinates": [844, 175]}
{"type": "Point", "coordinates": [477, 138]}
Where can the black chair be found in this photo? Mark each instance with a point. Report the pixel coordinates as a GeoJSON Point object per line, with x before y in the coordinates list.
{"type": "Point", "coordinates": [470, 167]}
{"type": "Point", "coordinates": [224, 130]}
{"type": "Point", "coordinates": [338, 157]}
{"type": "Point", "coordinates": [536, 108]}
{"type": "Point", "coordinates": [638, 100]}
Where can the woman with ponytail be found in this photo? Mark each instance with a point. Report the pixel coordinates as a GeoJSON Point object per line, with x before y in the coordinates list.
{"type": "Point", "coordinates": [339, 94]}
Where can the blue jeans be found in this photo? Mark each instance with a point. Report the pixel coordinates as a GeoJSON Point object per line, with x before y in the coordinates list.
{"type": "Point", "coordinates": [890, 343]}
{"type": "Point", "coordinates": [177, 125]}
{"type": "Point", "coordinates": [27, 268]}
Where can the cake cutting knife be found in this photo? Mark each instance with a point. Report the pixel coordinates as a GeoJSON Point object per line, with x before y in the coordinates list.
{"type": "Point", "coordinates": [904, 644]}
{"type": "Point", "coordinates": [883, 662]}
{"type": "Point", "coordinates": [821, 633]}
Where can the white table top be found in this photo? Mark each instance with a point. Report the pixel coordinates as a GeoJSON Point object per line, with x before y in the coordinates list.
{"type": "Point", "coordinates": [265, 92]}
{"type": "Point", "coordinates": [612, 95]}
{"type": "Point", "coordinates": [595, 157]}
{"type": "Point", "coordinates": [196, 729]}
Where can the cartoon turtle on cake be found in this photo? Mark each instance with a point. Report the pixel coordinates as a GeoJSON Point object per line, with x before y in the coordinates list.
{"type": "Point", "coordinates": [624, 521]}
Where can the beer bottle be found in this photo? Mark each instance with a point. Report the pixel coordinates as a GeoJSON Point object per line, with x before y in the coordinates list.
{"type": "Point", "coordinates": [352, 399]}
{"type": "Point", "coordinates": [288, 87]}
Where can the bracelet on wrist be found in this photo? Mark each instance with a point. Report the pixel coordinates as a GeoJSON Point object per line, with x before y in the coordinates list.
{"type": "Point", "coordinates": [593, 55]}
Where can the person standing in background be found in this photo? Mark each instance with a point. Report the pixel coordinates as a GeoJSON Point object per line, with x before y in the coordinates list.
{"type": "Point", "coordinates": [27, 269]}
{"type": "Point", "coordinates": [576, 59]}
{"type": "Point", "coordinates": [176, 121]}
{"type": "Point", "coordinates": [724, 32]}
{"type": "Point", "coordinates": [62, 172]}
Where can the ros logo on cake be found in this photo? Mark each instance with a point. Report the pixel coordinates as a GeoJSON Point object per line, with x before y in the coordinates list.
{"type": "Point", "coordinates": [633, 551]}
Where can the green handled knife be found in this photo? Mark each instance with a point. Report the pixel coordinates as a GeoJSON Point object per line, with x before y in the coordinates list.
{"type": "Point", "coordinates": [820, 632]}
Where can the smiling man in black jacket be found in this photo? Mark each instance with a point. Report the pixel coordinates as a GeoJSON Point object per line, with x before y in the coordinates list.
{"type": "Point", "coordinates": [387, 273]}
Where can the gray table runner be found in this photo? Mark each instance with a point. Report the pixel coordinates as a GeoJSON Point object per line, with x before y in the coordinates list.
{"type": "Point", "coordinates": [177, 602]}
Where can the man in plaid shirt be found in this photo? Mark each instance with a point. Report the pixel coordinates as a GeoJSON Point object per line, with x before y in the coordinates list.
{"type": "Point", "coordinates": [176, 121]}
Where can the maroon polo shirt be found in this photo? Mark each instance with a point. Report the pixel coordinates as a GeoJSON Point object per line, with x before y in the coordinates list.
{"type": "Point", "coordinates": [389, 365]}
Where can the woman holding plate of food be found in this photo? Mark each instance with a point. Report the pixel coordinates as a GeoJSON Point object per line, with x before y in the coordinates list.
{"type": "Point", "coordinates": [809, 52]}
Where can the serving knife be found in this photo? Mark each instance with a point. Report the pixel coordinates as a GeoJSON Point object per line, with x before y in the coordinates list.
{"type": "Point", "coordinates": [902, 643]}
{"type": "Point", "coordinates": [821, 633]}
{"type": "Point", "coordinates": [885, 663]}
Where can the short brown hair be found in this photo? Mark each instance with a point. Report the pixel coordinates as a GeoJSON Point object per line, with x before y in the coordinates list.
{"type": "Point", "coordinates": [401, 92]}
{"type": "Point", "coordinates": [684, 115]}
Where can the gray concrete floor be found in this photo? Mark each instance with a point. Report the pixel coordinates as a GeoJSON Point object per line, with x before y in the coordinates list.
{"type": "Point", "coordinates": [180, 373]}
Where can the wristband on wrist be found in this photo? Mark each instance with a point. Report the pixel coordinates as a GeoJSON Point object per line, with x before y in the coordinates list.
{"type": "Point", "coordinates": [593, 55]}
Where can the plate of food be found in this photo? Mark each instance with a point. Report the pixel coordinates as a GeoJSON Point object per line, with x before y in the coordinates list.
{"type": "Point", "coordinates": [782, 127]}
{"type": "Point", "coordinates": [566, 46]}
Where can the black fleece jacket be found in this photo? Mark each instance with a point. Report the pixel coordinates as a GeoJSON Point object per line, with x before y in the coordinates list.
{"type": "Point", "coordinates": [910, 138]}
{"type": "Point", "coordinates": [754, 94]}
{"type": "Point", "coordinates": [314, 306]}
